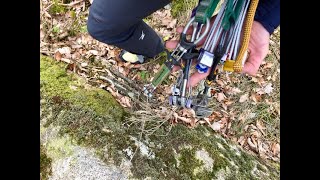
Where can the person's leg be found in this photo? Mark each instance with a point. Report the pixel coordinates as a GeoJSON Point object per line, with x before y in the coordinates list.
{"type": "Point", "coordinates": [119, 23]}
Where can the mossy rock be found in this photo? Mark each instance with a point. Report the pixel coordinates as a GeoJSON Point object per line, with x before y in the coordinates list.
{"type": "Point", "coordinates": [92, 118]}
{"type": "Point", "coordinates": [45, 164]}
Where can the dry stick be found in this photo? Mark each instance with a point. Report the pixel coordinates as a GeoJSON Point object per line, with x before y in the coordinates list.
{"type": "Point", "coordinates": [46, 52]}
{"type": "Point", "coordinates": [117, 73]}
{"type": "Point", "coordinates": [140, 136]}
{"type": "Point", "coordinates": [113, 83]}
{"type": "Point", "coordinates": [71, 4]}
{"type": "Point", "coordinates": [118, 85]}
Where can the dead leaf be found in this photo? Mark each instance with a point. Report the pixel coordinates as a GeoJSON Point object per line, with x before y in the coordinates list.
{"type": "Point", "coordinates": [137, 66]}
{"type": "Point", "coordinates": [243, 98]}
{"type": "Point", "coordinates": [220, 83]}
{"type": "Point", "coordinates": [268, 78]}
{"type": "Point", "coordinates": [172, 24]}
{"type": "Point", "coordinates": [161, 98]}
{"type": "Point", "coordinates": [268, 88]}
{"type": "Point", "coordinates": [275, 148]}
{"type": "Point", "coordinates": [125, 101]}
{"type": "Point", "coordinates": [260, 126]}
{"type": "Point", "coordinates": [251, 144]}
{"type": "Point", "coordinates": [268, 65]}
{"type": "Point", "coordinates": [94, 52]}
{"type": "Point", "coordinates": [216, 126]}
{"type": "Point", "coordinates": [255, 133]}
{"type": "Point", "coordinates": [241, 140]}
{"type": "Point", "coordinates": [225, 107]}
{"type": "Point", "coordinates": [64, 50]}
{"type": "Point", "coordinates": [255, 97]}
{"type": "Point", "coordinates": [218, 114]}
{"type": "Point", "coordinates": [63, 35]}
{"type": "Point", "coordinates": [84, 64]}
{"type": "Point", "coordinates": [121, 70]}
{"type": "Point", "coordinates": [113, 93]}
{"type": "Point", "coordinates": [188, 112]}
{"type": "Point", "coordinates": [258, 80]}
{"type": "Point", "coordinates": [42, 34]}
{"type": "Point", "coordinates": [227, 102]}
{"type": "Point", "coordinates": [274, 76]}
{"type": "Point", "coordinates": [168, 90]}
{"type": "Point", "coordinates": [66, 60]}
{"type": "Point", "coordinates": [57, 56]}
{"type": "Point", "coordinates": [235, 90]}
{"type": "Point", "coordinates": [220, 97]}
{"type": "Point", "coordinates": [187, 120]}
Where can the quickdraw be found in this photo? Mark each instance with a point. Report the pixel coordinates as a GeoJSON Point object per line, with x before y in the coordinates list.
{"type": "Point", "coordinates": [222, 44]}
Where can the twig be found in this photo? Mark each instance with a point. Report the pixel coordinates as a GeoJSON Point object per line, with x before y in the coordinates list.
{"type": "Point", "coordinates": [46, 52]}
{"type": "Point", "coordinates": [140, 136]}
{"type": "Point", "coordinates": [71, 4]}
{"type": "Point", "coordinates": [111, 82]}
{"type": "Point", "coordinates": [117, 73]}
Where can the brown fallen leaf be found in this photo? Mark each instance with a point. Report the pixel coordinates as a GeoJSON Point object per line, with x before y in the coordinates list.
{"type": "Point", "coordinates": [255, 133]}
{"type": "Point", "coordinates": [216, 126]}
{"type": "Point", "coordinates": [64, 50]}
{"type": "Point", "coordinates": [255, 97]}
{"type": "Point", "coordinates": [167, 90]}
{"type": "Point", "coordinates": [113, 93]}
{"type": "Point", "coordinates": [220, 96]}
{"type": "Point", "coordinates": [125, 101]}
{"type": "Point", "coordinates": [58, 56]}
{"type": "Point", "coordinates": [251, 144]}
{"type": "Point", "coordinates": [243, 98]}
{"type": "Point", "coordinates": [220, 83]}
{"type": "Point", "coordinates": [268, 65]}
{"type": "Point", "coordinates": [187, 120]}
{"type": "Point", "coordinates": [225, 107]}
{"type": "Point", "coordinates": [172, 24]}
{"type": "Point", "coordinates": [241, 140]}
{"type": "Point", "coordinates": [217, 113]}
{"type": "Point", "coordinates": [93, 52]}
{"type": "Point", "coordinates": [66, 60]}
{"type": "Point", "coordinates": [275, 148]}
{"type": "Point", "coordinates": [187, 112]}
{"type": "Point", "coordinates": [227, 102]}
{"type": "Point", "coordinates": [268, 88]}
{"type": "Point", "coordinates": [260, 126]}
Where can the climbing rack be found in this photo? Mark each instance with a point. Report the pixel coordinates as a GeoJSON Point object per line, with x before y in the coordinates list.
{"type": "Point", "coordinates": [223, 45]}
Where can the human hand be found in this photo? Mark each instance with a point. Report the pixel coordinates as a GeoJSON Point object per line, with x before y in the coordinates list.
{"type": "Point", "coordinates": [171, 44]}
{"type": "Point", "coordinates": [258, 50]}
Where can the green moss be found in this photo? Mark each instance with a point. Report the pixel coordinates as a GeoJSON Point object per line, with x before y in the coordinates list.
{"type": "Point", "coordinates": [88, 116]}
{"type": "Point", "coordinates": [60, 147]}
{"type": "Point", "coordinates": [180, 7]}
{"type": "Point", "coordinates": [55, 8]}
{"type": "Point", "coordinates": [45, 164]}
{"type": "Point", "coordinates": [177, 6]}
{"type": "Point", "coordinates": [55, 82]}
{"type": "Point", "coordinates": [188, 162]}
{"type": "Point", "coordinates": [91, 116]}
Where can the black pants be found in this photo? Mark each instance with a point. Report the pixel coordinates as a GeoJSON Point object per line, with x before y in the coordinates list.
{"type": "Point", "coordinates": [119, 23]}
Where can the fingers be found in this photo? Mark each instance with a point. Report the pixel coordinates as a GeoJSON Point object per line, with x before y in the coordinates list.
{"type": "Point", "coordinates": [175, 68]}
{"type": "Point", "coordinates": [189, 31]}
{"type": "Point", "coordinates": [251, 66]}
{"type": "Point", "coordinates": [197, 77]}
{"type": "Point", "coordinates": [171, 44]}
